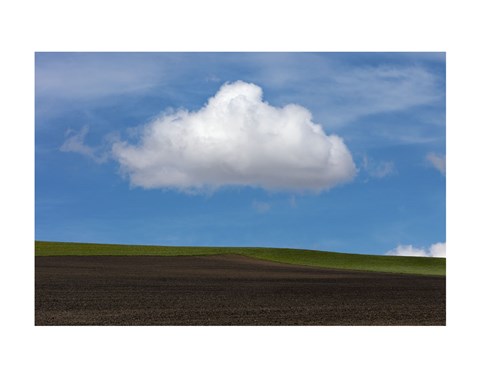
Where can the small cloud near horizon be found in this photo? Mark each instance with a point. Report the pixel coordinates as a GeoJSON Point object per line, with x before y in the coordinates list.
{"type": "Point", "coordinates": [437, 250]}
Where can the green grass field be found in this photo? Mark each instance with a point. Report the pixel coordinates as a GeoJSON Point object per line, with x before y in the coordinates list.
{"type": "Point", "coordinates": [378, 263]}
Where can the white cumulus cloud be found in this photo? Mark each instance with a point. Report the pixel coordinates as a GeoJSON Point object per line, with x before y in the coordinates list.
{"type": "Point", "coordinates": [237, 138]}
{"type": "Point", "coordinates": [437, 250]}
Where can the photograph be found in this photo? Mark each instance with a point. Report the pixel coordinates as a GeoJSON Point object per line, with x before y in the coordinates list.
{"type": "Point", "coordinates": [254, 188]}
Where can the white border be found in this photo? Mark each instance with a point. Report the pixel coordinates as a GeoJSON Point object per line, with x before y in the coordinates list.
{"type": "Point", "coordinates": [236, 26]}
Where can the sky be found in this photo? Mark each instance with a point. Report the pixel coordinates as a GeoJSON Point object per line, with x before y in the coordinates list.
{"type": "Point", "coordinates": [324, 151]}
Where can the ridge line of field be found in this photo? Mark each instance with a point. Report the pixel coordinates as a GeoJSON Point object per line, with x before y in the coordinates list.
{"type": "Point", "coordinates": [323, 259]}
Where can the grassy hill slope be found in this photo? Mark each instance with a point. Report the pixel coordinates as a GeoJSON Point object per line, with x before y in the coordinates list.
{"type": "Point", "coordinates": [378, 263]}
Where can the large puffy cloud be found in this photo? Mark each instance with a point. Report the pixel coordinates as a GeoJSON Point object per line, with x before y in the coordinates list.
{"type": "Point", "coordinates": [437, 250]}
{"type": "Point", "coordinates": [236, 139]}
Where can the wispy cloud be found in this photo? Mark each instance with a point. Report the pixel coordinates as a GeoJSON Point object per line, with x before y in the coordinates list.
{"type": "Point", "coordinates": [86, 81]}
{"type": "Point", "coordinates": [261, 207]}
{"type": "Point", "coordinates": [75, 142]}
{"type": "Point", "coordinates": [236, 139]}
{"type": "Point", "coordinates": [437, 250]}
{"type": "Point", "coordinates": [293, 201]}
{"type": "Point", "coordinates": [335, 91]}
{"type": "Point", "coordinates": [438, 162]}
{"type": "Point", "coordinates": [377, 169]}
{"type": "Point", "coordinates": [338, 93]}
{"type": "Point", "coordinates": [90, 76]}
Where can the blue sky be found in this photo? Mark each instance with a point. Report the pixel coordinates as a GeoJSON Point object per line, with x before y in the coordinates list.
{"type": "Point", "coordinates": [104, 171]}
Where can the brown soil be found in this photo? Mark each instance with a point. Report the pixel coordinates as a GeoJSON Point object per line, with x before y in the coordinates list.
{"type": "Point", "coordinates": [227, 290]}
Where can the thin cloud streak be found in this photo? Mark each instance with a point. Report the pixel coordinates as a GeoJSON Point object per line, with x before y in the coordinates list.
{"type": "Point", "coordinates": [439, 162]}
{"type": "Point", "coordinates": [377, 169]}
{"type": "Point", "coordinates": [75, 142]}
{"type": "Point", "coordinates": [335, 92]}
{"type": "Point", "coordinates": [261, 207]}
